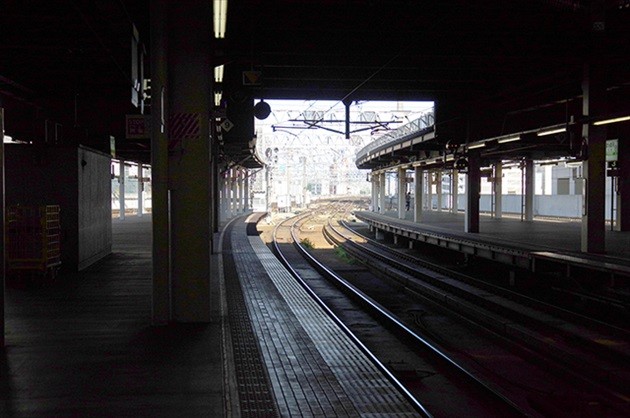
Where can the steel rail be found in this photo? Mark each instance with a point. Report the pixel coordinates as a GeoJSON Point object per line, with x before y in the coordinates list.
{"type": "Point", "coordinates": [514, 296]}
{"type": "Point", "coordinates": [568, 362]}
{"type": "Point", "coordinates": [400, 327]}
{"type": "Point", "coordinates": [399, 386]}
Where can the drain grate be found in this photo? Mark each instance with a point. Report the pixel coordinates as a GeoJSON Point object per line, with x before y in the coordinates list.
{"type": "Point", "coordinates": [254, 391]}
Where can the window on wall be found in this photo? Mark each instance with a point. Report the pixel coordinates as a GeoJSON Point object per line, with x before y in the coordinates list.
{"type": "Point", "coordinates": [563, 186]}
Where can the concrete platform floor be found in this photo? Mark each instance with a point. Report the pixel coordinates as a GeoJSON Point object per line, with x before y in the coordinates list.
{"type": "Point", "coordinates": [85, 347]}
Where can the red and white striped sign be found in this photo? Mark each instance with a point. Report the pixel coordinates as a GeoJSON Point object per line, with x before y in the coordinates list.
{"type": "Point", "coordinates": [183, 126]}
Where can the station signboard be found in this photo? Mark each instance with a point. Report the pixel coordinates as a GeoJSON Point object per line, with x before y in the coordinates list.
{"type": "Point", "coordinates": [137, 126]}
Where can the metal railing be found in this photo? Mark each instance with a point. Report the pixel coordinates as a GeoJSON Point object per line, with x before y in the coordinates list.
{"type": "Point", "coordinates": [425, 121]}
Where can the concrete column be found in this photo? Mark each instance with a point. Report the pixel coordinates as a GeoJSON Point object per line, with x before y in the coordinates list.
{"type": "Point", "coordinates": [160, 217]}
{"type": "Point", "coordinates": [594, 170]}
{"type": "Point", "coordinates": [381, 193]}
{"type": "Point", "coordinates": [623, 186]}
{"type": "Point", "coordinates": [454, 191]}
{"type": "Point", "coordinates": [529, 190]}
{"type": "Point", "coordinates": [2, 220]}
{"type": "Point", "coordinates": [121, 189]}
{"type": "Point", "coordinates": [190, 106]}
{"type": "Point", "coordinates": [498, 190]}
{"type": "Point", "coordinates": [473, 180]}
{"type": "Point", "coordinates": [429, 191]}
{"type": "Point", "coordinates": [140, 191]}
{"type": "Point", "coordinates": [438, 187]}
{"type": "Point", "coordinates": [402, 190]}
{"type": "Point", "coordinates": [419, 192]}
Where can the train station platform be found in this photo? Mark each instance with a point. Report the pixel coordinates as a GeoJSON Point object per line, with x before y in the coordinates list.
{"type": "Point", "coordinates": [84, 346]}
{"type": "Point", "coordinates": [509, 238]}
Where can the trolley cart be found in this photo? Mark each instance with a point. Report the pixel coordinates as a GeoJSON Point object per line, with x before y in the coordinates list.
{"type": "Point", "coordinates": [33, 239]}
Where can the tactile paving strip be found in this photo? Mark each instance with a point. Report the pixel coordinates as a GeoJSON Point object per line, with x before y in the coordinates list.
{"type": "Point", "coordinates": [254, 391]}
{"type": "Point", "coordinates": [315, 369]}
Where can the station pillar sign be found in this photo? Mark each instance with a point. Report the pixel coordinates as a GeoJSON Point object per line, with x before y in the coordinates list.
{"type": "Point", "coordinates": [612, 155]}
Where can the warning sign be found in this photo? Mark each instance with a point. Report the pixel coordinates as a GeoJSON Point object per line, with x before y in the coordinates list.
{"type": "Point", "coordinates": [252, 78]}
{"type": "Point", "coordinates": [137, 126]}
{"type": "Point", "coordinates": [183, 126]}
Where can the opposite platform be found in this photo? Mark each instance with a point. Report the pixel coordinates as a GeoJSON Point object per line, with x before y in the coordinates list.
{"type": "Point", "coordinates": [537, 235]}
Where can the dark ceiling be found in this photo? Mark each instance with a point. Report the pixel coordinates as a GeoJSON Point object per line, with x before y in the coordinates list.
{"type": "Point", "coordinates": [493, 66]}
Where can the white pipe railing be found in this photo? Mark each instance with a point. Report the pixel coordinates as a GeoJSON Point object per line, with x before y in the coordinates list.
{"type": "Point", "coordinates": [415, 126]}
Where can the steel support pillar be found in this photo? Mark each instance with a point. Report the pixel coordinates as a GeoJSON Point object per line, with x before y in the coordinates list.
{"type": "Point", "coordinates": [473, 180]}
{"type": "Point", "coordinates": [374, 183]}
{"type": "Point", "coordinates": [594, 170]}
{"type": "Point", "coordinates": [623, 186]}
{"type": "Point", "coordinates": [121, 189]}
{"type": "Point", "coordinates": [438, 187]}
{"type": "Point", "coordinates": [381, 193]}
{"type": "Point", "coordinates": [216, 200]}
{"type": "Point", "coordinates": [239, 191]}
{"type": "Point", "coordinates": [233, 193]}
{"type": "Point", "coordinates": [429, 191]}
{"type": "Point", "coordinates": [454, 191]}
{"type": "Point", "coordinates": [418, 194]}
{"type": "Point", "coordinates": [160, 216]}
{"type": "Point", "coordinates": [498, 190]}
{"type": "Point", "coordinates": [186, 148]}
{"type": "Point", "coordinates": [2, 241]}
{"type": "Point", "coordinates": [140, 191]}
{"type": "Point", "coordinates": [529, 189]}
{"type": "Point", "coordinates": [402, 191]}
{"type": "Point", "coordinates": [246, 200]}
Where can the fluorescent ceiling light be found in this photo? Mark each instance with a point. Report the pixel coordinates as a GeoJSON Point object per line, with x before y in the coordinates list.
{"type": "Point", "coordinates": [478, 145]}
{"type": "Point", "coordinates": [509, 139]}
{"type": "Point", "coordinates": [219, 10]}
{"type": "Point", "coordinates": [551, 132]}
{"type": "Point", "coordinates": [615, 120]}
{"type": "Point", "coordinates": [218, 74]}
{"type": "Point", "coordinates": [217, 98]}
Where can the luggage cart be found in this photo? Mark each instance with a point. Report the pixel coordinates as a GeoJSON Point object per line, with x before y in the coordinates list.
{"type": "Point", "coordinates": [33, 240]}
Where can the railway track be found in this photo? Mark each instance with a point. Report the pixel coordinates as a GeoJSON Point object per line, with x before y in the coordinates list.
{"type": "Point", "coordinates": [568, 337]}
{"type": "Point", "coordinates": [428, 376]}
{"type": "Point", "coordinates": [409, 314]}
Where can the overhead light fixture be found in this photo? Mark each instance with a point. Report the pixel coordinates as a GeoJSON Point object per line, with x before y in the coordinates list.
{"type": "Point", "coordinates": [509, 139]}
{"type": "Point", "coordinates": [218, 74]}
{"type": "Point", "coordinates": [614, 120]}
{"type": "Point", "coordinates": [220, 16]}
{"type": "Point", "coordinates": [217, 98]}
{"type": "Point", "coordinates": [551, 132]}
{"type": "Point", "coordinates": [477, 145]}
